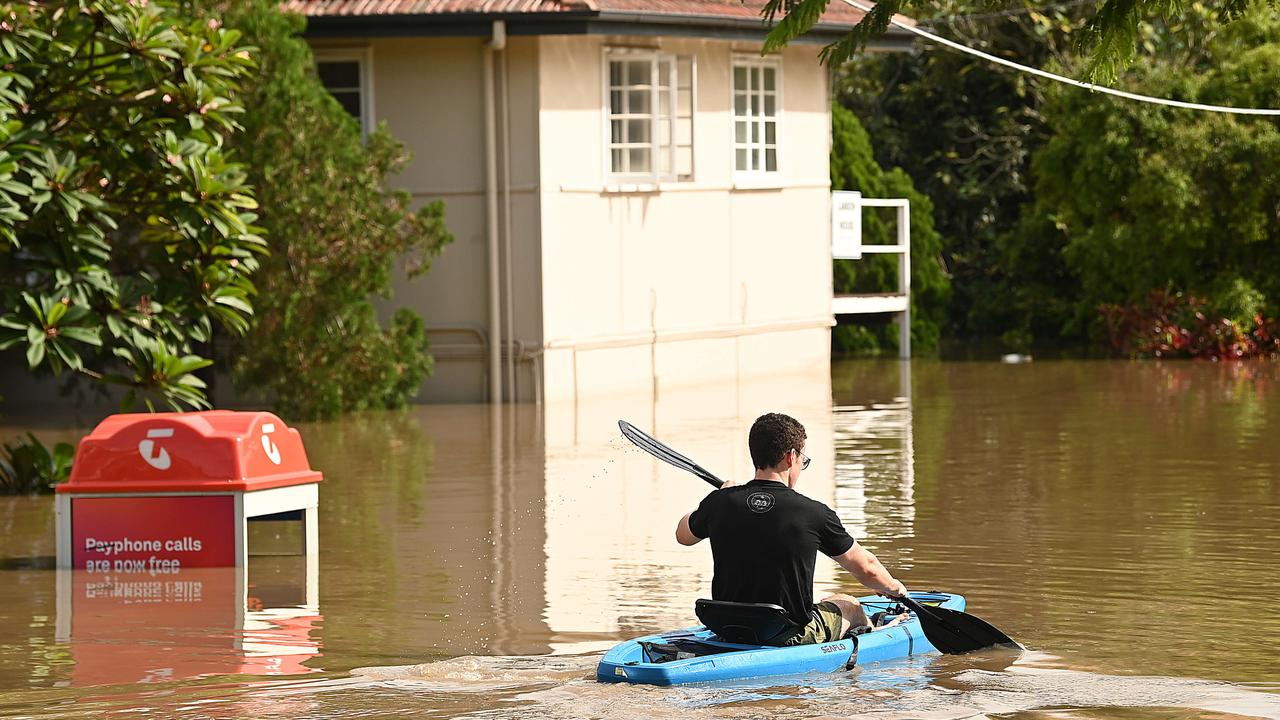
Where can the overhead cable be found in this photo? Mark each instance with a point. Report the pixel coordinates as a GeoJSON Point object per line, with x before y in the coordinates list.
{"type": "Point", "coordinates": [1069, 81]}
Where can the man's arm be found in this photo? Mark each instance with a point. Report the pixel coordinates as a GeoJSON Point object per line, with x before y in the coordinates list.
{"type": "Point", "coordinates": [684, 535]}
{"type": "Point", "coordinates": [867, 569]}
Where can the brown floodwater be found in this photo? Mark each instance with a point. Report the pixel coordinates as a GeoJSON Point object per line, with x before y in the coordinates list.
{"type": "Point", "coordinates": [1120, 519]}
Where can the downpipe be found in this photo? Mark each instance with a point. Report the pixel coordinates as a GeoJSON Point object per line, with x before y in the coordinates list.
{"type": "Point", "coordinates": [496, 43]}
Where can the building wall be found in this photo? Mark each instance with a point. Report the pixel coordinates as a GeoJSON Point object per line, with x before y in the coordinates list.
{"type": "Point", "coordinates": [691, 282]}
{"type": "Point", "coordinates": [430, 92]}
{"type": "Point", "coordinates": [621, 291]}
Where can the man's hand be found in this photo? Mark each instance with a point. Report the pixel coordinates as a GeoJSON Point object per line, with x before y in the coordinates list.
{"type": "Point", "coordinates": [896, 592]}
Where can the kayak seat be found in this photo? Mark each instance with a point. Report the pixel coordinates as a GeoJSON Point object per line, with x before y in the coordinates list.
{"type": "Point", "coordinates": [746, 623]}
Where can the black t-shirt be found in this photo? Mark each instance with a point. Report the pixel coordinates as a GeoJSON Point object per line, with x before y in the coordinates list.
{"type": "Point", "coordinates": [765, 538]}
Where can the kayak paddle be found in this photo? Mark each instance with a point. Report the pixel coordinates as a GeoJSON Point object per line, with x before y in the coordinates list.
{"type": "Point", "coordinates": [952, 632]}
{"type": "Point", "coordinates": [650, 444]}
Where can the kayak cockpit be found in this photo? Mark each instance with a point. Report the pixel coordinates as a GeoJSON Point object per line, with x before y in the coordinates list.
{"type": "Point", "coordinates": [683, 648]}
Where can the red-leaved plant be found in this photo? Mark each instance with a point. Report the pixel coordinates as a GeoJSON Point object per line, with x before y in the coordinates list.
{"type": "Point", "coordinates": [1175, 325]}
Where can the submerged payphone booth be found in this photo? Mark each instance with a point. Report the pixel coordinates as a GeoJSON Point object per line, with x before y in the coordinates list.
{"type": "Point", "coordinates": [153, 548]}
{"type": "Point", "coordinates": [159, 492]}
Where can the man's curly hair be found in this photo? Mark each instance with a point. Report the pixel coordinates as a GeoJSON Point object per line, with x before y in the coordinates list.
{"type": "Point", "coordinates": [772, 436]}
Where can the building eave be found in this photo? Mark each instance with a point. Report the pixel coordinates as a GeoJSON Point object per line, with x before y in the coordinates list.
{"type": "Point", "coordinates": [577, 22]}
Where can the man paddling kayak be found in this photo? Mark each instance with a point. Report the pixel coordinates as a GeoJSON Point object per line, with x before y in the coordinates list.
{"type": "Point", "coordinates": [765, 537]}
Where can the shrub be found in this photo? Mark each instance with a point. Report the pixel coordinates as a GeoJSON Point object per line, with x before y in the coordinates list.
{"type": "Point", "coordinates": [30, 466]}
{"type": "Point", "coordinates": [1177, 325]}
{"type": "Point", "coordinates": [126, 225]}
{"type": "Point", "coordinates": [337, 236]}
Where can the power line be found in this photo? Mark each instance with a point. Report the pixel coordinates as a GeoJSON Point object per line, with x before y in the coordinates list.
{"type": "Point", "coordinates": [1066, 80]}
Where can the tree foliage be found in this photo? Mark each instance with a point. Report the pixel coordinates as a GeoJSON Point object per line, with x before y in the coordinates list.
{"type": "Point", "coordinates": [337, 236]}
{"type": "Point", "coordinates": [1111, 34]}
{"type": "Point", "coordinates": [853, 167]}
{"type": "Point", "coordinates": [126, 226]}
{"type": "Point", "coordinates": [1132, 197]}
{"type": "Point", "coordinates": [965, 131]}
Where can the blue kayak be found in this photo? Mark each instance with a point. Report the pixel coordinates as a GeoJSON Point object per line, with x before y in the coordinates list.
{"type": "Point", "coordinates": [696, 654]}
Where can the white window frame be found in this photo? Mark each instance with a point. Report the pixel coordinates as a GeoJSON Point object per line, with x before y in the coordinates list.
{"type": "Point", "coordinates": [363, 57]}
{"type": "Point", "coordinates": [755, 61]}
{"type": "Point", "coordinates": [655, 175]}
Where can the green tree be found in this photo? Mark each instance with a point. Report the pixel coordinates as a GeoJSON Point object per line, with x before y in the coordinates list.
{"type": "Point", "coordinates": [1132, 197]}
{"type": "Point", "coordinates": [1111, 34]}
{"type": "Point", "coordinates": [853, 167]}
{"type": "Point", "coordinates": [126, 226]}
{"type": "Point", "coordinates": [965, 131]}
{"type": "Point", "coordinates": [337, 236]}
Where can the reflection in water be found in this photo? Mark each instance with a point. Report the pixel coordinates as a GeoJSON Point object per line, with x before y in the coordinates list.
{"type": "Point", "coordinates": [1120, 516]}
{"type": "Point", "coordinates": [141, 628]}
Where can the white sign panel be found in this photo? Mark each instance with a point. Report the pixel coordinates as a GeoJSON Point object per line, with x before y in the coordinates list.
{"type": "Point", "coordinates": [846, 225]}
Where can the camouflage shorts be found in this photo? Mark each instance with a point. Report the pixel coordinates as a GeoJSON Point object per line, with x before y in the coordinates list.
{"type": "Point", "coordinates": [824, 626]}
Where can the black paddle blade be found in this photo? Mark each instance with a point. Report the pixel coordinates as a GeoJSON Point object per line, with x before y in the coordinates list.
{"type": "Point", "coordinates": [651, 445]}
{"type": "Point", "coordinates": [953, 632]}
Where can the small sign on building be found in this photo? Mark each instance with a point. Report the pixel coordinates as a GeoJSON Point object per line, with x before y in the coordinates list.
{"type": "Point", "coordinates": [846, 225]}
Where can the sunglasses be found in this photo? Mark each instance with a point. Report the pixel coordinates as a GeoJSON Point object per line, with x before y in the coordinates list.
{"type": "Point", "coordinates": [805, 458]}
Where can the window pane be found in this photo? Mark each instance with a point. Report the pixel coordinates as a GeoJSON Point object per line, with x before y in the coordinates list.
{"type": "Point", "coordinates": [755, 132]}
{"type": "Point", "coordinates": [770, 159]}
{"type": "Point", "coordinates": [639, 159]}
{"type": "Point", "coordinates": [616, 159]}
{"type": "Point", "coordinates": [740, 131]}
{"type": "Point", "coordinates": [739, 104]}
{"type": "Point", "coordinates": [684, 102]}
{"type": "Point", "coordinates": [637, 131]}
{"type": "Point", "coordinates": [664, 133]}
{"type": "Point", "coordinates": [771, 133]}
{"type": "Point", "coordinates": [664, 73]}
{"type": "Point", "coordinates": [768, 78]}
{"type": "Point", "coordinates": [740, 160]}
{"type": "Point", "coordinates": [350, 101]}
{"type": "Point", "coordinates": [739, 78]}
{"type": "Point", "coordinates": [616, 132]}
{"type": "Point", "coordinates": [638, 73]}
{"type": "Point", "coordinates": [755, 105]}
{"type": "Point", "coordinates": [770, 105]}
{"type": "Point", "coordinates": [638, 102]}
{"type": "Point", "coordinates": [615, 72]}
{"type": "Point", "coordinates": [615, 102]}
{"type": "Point", "coordinates": [755, 159]}
{"type": "Point", "coordinates": [664, 102]}
{"type": "Point", "coordinates": [664, 161]}
{"type": "Point", "coordinates": [755, 78]}
{"type": "Point", "coordinates": [339, 74]}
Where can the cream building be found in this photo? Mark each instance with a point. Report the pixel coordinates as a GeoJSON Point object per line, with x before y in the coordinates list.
{"type": "Point", "coordinates": [640, 200]}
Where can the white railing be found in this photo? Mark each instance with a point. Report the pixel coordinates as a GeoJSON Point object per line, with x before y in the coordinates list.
{"type": "Point", "coordinates": [846, 244]}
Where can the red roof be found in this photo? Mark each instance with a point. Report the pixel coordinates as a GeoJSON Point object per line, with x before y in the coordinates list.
{"type": "Point", "coordinates": [838, 13]}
